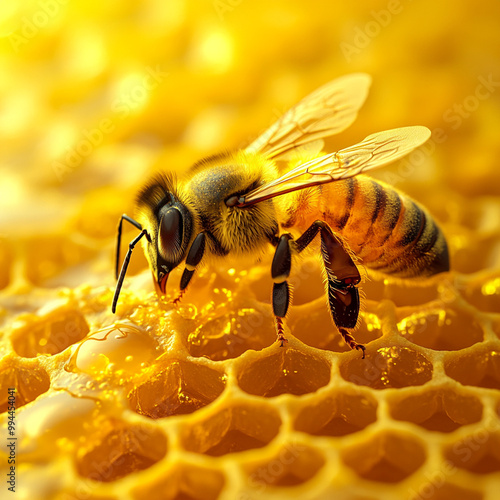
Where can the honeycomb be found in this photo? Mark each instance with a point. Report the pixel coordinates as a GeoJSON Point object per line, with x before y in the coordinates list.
{"type": "Point", "coordinates": [198, 402]}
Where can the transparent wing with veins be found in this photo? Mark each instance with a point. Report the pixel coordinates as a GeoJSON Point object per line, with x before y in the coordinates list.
{"type": "Point", "coordinates": [327, 111]}
{"type": "Point", "coordinates": [373, 152]}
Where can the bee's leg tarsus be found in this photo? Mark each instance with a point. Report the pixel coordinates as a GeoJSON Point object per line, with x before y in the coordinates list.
{"type": "Point", "coordinates": [281, 301]}
{"type": "Point", "coordinates": [280, 270]}
{"type": "Point", "coordinates": [178, 298]}
{"type": "Point", "coordinates": [194, 256]}
{"type": "Point", "coordinates": [280, 331]}
{"type": "Point", "coordinates": [349, 340]}
{"type": "Point", "coordinates": [343, 276]}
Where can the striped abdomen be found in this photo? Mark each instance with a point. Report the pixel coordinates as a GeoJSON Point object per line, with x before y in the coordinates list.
{"type": "Point", "coordinates": [387, 230]}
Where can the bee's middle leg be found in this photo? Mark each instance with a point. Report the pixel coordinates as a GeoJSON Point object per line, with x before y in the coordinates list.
{"type": "Point", "coordinates": [280, 270]}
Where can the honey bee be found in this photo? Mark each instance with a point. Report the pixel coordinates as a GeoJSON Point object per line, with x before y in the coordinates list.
{"type": "Point", "coordinates": [238, 203]}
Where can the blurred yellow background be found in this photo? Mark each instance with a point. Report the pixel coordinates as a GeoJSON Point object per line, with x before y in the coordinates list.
{"type": "Point", "coordinates": [96, 95]}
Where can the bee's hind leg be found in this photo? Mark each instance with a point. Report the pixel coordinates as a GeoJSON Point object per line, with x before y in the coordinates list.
{"type": "Point", "coordinates": [194, 256]}
{"type": "Point", "coordinates": [349, 340]}
{"type": "Point", "coordinates": [280, 270]}
{"type": "Point", "coordinates": [342, 275]}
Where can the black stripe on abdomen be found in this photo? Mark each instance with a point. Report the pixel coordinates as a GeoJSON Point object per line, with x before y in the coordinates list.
{"type": "Point", "coordinates": [390, 214]}
{"type": "Point", "coordinates": [351, 185]}
{"type": "Point", "coordinates": [421, 249]}
{"type": "Point", "coordinates": [413, 224]}
{"type": "Point", "coordinates": [380, 200]}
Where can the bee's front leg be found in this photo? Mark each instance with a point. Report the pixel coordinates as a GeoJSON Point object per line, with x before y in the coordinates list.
{"type": "Point", "coordinates": [280, 270]}
{"type": "Point", "coordinates": [193, 258]}
{"type": "Point", "coordinates": [342, 275]}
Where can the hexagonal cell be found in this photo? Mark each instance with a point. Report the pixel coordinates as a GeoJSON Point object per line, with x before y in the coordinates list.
{"type": "Point", "coordinates": [46, 481]}
{"type": "Point", "coordinates": [480, 367]}
{"type": "Point", "coordinates": [478, 452]}
{"type": "Point", "coordinates": [181, 388]}
{"type": "Point", "coordinates": [476, 254]}
{"type": "Point", "coordinates": [29, 383]}
{"type": "Point", "coordinates": [229, 335]}
{"type": "Point", "coordinates": [48, 256]}
{"type": "Point", "coordinates": [402, 294]}
{"type": "Point", "coordinates": [446, 491]}
{"type": "Point", "coordinates": [293, 465]}
{"type": "Point", "coordinates": [306, 280]}
{"type": "Point", "coordinates": [441, 410]}
{"type": "Point", "coordinates": [287, 371]}
{"type": "Point", "coordinates": [444, 329]}
{"type": "Point", "coordinates": [387, 457]}
{"type": "Point", "coordinates": [120, 449]}
{"type": "Point", "coordinates": [482, 215]}
{"type": "Point", "coordinates": [49, 334]}
{"type": "Point", "coordinates": [338, 414]}
{"type": "Point", "coordinates": [387, 368]}
{"type": "Point", "coordinates": [312, 325]}
{"type": "Point", "coordinates": [237, 428]}
{"type": "Point", "coordinates": [485, 295]}
{"type": "Point", "coordinates": [182, 482]}
{"type": "Point", "coordinates": [58, 417]}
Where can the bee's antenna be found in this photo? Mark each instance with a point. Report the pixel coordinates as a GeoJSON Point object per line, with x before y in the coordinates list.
{"type": "Point", "coordinates": [123, 272]}
{"type": "Point", "coordinates": [119, 238]}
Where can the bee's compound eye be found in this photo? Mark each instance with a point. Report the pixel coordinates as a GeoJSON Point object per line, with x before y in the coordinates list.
{"type": "Point", "coordinates": [170, 234]}
{"type": "Point", "coordinates": [232, 201]}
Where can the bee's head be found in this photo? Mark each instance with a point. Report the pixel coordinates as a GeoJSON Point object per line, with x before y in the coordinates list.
{"type": "Point", "coordinates": [170, 225]}
{"type": "Point", "coordinates": [174, 234]}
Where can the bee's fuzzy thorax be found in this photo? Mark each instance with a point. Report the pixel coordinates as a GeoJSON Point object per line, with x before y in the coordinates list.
{"type": "Point", "coordinates": [214, 179]}
{"type": "Point", "coordinates": [247, 230]}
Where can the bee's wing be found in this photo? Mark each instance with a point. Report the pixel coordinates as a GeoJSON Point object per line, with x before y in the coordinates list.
{"type": "Point", "coordinates": [327, 111]}
{"type": "Point", "coordinates": [373, 152]}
